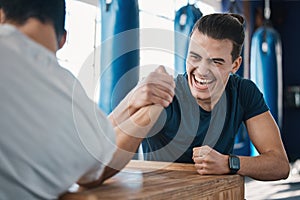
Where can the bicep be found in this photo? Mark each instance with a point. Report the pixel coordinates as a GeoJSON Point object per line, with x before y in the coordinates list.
{"type": "Point", "coordinates": [264, 132]}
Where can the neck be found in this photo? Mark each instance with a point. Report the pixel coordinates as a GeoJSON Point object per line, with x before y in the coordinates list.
{"type": "Point", "coordinates": [205, 105]}
{"type": "Point", "coordinates": [209, 104]}
{"type": "Point", "coordinates": [43, 34]}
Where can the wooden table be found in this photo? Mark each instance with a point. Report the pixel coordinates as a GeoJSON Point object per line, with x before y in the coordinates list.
{"type": "Point", "coordinates": [163, 180]}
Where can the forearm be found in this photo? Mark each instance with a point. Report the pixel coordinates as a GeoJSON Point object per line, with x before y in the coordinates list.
{"type": "Point", "coordinates": [130, 133]}
{"type": "Point", "coordinates": [272, 163]}
{"type": "Point", "coordinates": [267, 166]}
{"type": "Point", "coordinates": [123, 111]}
{"type": "Point", "coordinates": [126, 148]}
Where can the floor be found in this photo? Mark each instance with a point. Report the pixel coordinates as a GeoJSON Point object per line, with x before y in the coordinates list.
{"type": "Point", "coordinates": [288, 189]}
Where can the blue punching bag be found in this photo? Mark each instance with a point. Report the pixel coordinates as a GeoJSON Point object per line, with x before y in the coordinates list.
{"type": "Point", "coordinates": [266, 69]}
{"type": "Point", "coordinates": [119, 51]}
{"type": "Point", "coordinates": [185, 19]}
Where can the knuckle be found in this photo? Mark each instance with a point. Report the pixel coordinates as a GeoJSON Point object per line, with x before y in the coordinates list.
{"type": "Point", "coordinates": [146, 88]}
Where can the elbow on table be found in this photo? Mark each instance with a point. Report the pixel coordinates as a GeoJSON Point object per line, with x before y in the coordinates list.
{"type": "Point", "coordinates": [282, 171]}
{"type": "Point", "coordinates": [285, 170]}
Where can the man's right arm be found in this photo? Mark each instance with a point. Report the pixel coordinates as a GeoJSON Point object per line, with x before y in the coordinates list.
{"type": "Point", "coordinates": [129, 135]}
{"type": "Point", "coordinates": [133, 118]}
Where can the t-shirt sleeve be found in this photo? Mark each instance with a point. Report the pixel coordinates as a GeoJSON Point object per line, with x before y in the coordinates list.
{"type": "Point", "coordinates": [252, 100]}
{"type": "Point", "coordinates": [105, 139]}
{"type": "Point", "coordinates": [95, 132]}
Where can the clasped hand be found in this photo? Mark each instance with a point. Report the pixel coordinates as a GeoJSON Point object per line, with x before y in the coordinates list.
{"type": "Point", "coordinates": [209, 161]}
{"type": "Point", "coordinates": [157, 88]}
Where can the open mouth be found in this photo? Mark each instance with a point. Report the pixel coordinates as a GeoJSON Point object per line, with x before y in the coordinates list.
{"type": "Point", "coordinates": [202, 81]}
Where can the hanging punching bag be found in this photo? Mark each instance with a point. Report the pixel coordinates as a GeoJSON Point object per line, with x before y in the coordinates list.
{"type": "Point", "coordinates": [119, 51]}
{"type": "Point", "coordinates": [266, 68]}
{"type": "Point", "coordinates": [185, 19]}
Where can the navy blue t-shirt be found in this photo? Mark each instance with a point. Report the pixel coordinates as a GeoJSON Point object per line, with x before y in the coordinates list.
{"type": "Point", "coordinates": [184, 125]}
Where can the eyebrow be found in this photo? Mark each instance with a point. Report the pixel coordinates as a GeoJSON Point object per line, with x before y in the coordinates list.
{"type": "Point", "coordinates": [213, 59]}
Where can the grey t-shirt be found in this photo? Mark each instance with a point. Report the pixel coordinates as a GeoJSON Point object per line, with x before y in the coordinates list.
{"type": "Point", "coordinates": [52, 134]}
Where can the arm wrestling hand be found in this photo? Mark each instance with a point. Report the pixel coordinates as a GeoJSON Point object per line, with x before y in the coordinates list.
{"type": "Point", "coordinates": [209, 161]}
{"type": "Point", "coordinates": [157, 88]}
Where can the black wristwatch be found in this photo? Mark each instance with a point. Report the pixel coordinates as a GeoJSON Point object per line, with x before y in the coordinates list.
{"type": "Point", "coordinates": [234, 164]}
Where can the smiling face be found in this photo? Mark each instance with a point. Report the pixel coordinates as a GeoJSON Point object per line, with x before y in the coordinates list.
{"type": "Point", "coordinates": [208, 65]}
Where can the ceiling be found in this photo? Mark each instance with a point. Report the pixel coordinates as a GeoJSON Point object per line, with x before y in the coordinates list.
{"type": "Point", "coordinates": [214, 3]}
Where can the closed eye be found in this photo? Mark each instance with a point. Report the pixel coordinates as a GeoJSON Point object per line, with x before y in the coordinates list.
{"type": "Point", "coordinates": [195, 56]}
{"type": "Point", "coordinates": [218, 61]}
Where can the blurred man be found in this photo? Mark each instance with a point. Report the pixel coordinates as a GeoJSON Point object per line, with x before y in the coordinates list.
{"type": "Point", "coordinates": [52, 134]}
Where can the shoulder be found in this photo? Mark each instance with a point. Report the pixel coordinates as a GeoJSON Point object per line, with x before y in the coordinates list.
{"type": "Point", "coordinates": [181, 80]}
{"type": "Point", "coordinates": [182, 88]}
{"type": "Point", "coordinates": [242, 87]}
{"type": "Point", "coordinates": [183, 101]}
{"type": "Point", "coordinates": [237, 82]}
{"type": "Point", "coordinates": [183, 93]}
{"type": "Point", "coordinates": [247, 95]}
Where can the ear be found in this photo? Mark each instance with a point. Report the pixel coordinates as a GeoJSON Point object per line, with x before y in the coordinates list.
{"type": "Point", "coordinates": [63, 40]}
{"type": "Point", "coordinates": [236, 64]}
{"type": "Point", "coordinates": [2, 16]}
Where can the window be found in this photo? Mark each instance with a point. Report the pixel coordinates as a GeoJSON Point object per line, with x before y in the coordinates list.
{"type": "Point", "coordinates": [81, 55]}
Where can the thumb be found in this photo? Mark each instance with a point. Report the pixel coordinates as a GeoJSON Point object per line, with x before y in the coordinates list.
{"type": "Point", "coordinates": [161, 69]}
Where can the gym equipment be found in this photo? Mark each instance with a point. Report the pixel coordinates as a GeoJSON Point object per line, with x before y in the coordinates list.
{"type": "Point", "coordinates": [266, 66]}
{"type": "Point", "coordinates": [119, 51]}
{"type": "Point", "coordinates": [185, 19]}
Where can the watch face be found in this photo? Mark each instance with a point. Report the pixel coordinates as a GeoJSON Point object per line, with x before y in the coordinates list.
{"type": "Point", "coordinates": [234, 164]}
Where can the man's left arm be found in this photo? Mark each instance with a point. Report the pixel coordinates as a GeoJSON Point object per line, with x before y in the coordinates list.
{"type": "Point", "coordinates": [271, 164]}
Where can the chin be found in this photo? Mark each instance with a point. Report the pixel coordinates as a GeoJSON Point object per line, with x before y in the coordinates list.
{"type": "Point", "coordinates": [201, 96]}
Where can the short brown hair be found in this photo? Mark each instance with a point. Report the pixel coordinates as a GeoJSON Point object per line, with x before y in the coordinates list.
{"type": "Point", "coordinates": [223, 26]}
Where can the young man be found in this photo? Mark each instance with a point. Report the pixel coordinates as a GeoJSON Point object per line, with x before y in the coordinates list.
{"type": "Point", "coordinates": [210, 104]}
{"type": "Point", "coordinates": [52, 134]}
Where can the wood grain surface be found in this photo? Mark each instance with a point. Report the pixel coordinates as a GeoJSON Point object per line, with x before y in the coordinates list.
{"type": "Point", "coordinates": [163, 180]}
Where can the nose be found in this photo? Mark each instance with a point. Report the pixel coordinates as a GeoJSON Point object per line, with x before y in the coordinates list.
{"type": "Point", "coordinates": [202, 68]}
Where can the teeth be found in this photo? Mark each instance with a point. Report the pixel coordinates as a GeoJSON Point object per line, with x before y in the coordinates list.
{"type": "Point", "coordinates": [201, 81]}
